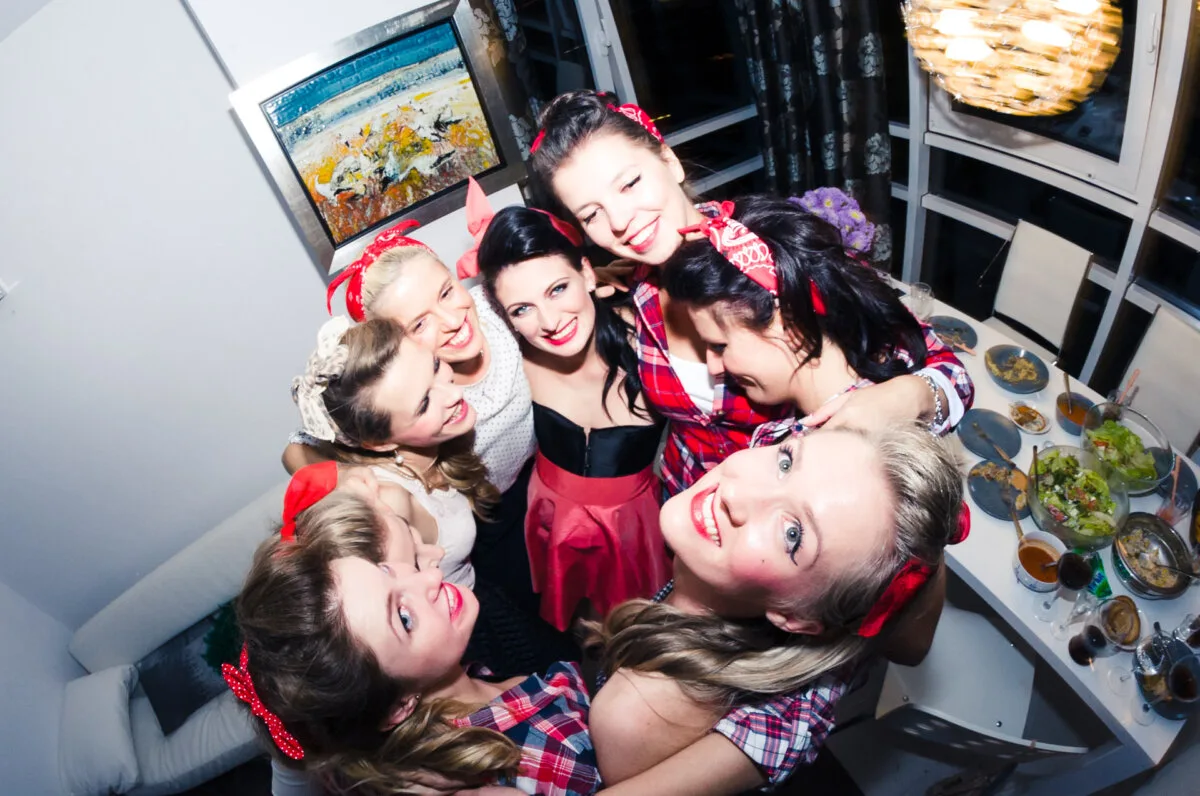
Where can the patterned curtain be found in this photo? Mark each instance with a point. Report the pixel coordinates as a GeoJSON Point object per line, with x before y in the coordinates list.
{"type": "Point", "coordinates": [496, 23]}
{"type": "Point", "coordinates": [816, 67]}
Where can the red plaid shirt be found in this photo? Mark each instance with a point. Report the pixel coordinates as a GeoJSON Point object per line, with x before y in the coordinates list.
{"type": "Point", "coordinates": [698, 441]}
{"type": "Point", "coordinates": [547, 718]}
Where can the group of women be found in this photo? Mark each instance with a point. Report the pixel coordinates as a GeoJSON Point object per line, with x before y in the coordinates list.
{"type": "Point", "coordinates": [721, 479]}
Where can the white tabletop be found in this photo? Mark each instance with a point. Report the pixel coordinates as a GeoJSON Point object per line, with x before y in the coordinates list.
{"type": "Point", "coordinates": [984, 562]}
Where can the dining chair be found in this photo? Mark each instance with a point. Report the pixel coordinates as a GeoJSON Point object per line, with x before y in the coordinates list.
{"type": "Point", "coordinates": [1038, 286]}
{"type": "Point", "coordinates": [970, 696]}
{"type": "Point", "coordinates": [1169, 360]}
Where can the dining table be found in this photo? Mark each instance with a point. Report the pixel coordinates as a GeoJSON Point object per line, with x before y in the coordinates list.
{"type": "Point", "coordinates": [984, 562]}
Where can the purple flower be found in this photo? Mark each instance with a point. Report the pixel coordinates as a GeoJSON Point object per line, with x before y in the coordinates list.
{"type": "Point", "coordinates": [843, 212]}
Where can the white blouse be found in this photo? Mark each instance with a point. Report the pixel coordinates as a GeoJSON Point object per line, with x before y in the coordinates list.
{"type": "Point", "coordinates": [455, 523]}
{"type": "Point", "coordinates": [504, 429]}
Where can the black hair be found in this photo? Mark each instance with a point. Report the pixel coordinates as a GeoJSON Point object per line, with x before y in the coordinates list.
{"type": "Point", "coordinates": [863, 316]}
{"type": "Point", "coordinates": [568, 120]}
{"type": "Point", "coordinates": [517, 234]}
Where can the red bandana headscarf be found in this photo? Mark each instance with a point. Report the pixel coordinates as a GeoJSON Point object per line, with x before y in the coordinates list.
{"type": "Point", "coordinates": [629, 111]}
{"type": "Point", "coordinates": [352, 274]}
{"type": "Point", "coordinates": [906, 583]}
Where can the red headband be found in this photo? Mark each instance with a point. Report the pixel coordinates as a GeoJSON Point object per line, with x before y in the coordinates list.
{"type": "Point", "coordinates": [308, 485]}
{"type": "Point", "coordinates": [629, 111]}
{"type": "Point", "coordinates": [238, 679]}
{"type": "Point", "coordinates": [388, 239]}
{"type": "Point", "coordinates": [906, 583]}
{"type": "Point", "coordinates": [743, 249]}
{"type": "Point", "coordinates": [479, 216]}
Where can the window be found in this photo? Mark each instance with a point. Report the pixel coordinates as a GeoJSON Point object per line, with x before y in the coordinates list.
{"type": "Point", "coordinates": [1010, 197]}
{"type": "Point", "coordinates": [957, 260]}
{"type": "Point", "coordinates": [1182, 198]}
{"type": "Point", "coordinates": [895, 62]}
{"type": "Point", "coordinates": [1171, 270]}
{"type": "Point", "coordinates": [900, 160]}
{"type": "Point", "coordinates": [1126, 335]}
{"type": "Point", "coordinates": [899, 233]}
{"type": "Point", "coordinates": [556, 47]}
{"type": "Point", "coordinates": [721, 149]}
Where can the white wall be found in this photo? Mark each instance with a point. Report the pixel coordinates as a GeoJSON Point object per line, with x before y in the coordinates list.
{"type": "Point", "coordinates": [163, 303]}
{"type": "Point", "coordinates": [13, 13]}
{"type": "Point", "coordinates": [34, 667]}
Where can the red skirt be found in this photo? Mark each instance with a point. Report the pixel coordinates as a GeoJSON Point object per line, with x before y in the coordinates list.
{"type": "Point", "coordinates": [593, 537]}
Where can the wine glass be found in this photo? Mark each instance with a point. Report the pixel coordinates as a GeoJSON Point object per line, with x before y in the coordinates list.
{"type": "Point", "coordinates": [1189, 631]}
{"type": "Point", "coordinates": [920, 300]}
{"type": "Point", "coordinates": [1074, 573]}
{"type": "Point", "coordinates": [1149, 658]}
{"type": "Point", "coordinates": [1181, 684]}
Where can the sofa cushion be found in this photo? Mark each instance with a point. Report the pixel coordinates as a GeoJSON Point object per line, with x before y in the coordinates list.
{"type": "Point", "coordinates": [96, 753]}
{"type": "Point", "coordinates": [176, 678]}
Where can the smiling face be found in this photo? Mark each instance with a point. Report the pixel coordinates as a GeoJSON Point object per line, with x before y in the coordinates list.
{"type": "Point", "coordinates": [763, 363]}
{"type": "Point", "coordinates": [629, 199]}
{"type": "Point", "coordinates": [418, 393]}
{"type": "Point", "coordinates": [774, 526]}
{"type": "Point", "coordinates": [416, 625]}
{"type": "Point", "coordinates": [549, 303]}
{"type": "Point", "coordinates": [433, 307]}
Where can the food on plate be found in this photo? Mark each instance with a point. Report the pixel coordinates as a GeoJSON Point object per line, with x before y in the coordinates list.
{"type": "Point", "coordinates": [1140, 554]}
{"type": "Point", "coordinates": [1028, 418]}
{"type": "Point", "coordinates": [1121, 621]}
{"type": "Point", "coordinates": [1074, 495]}
{"type": "Point", "coordinates": [1001, 474]}
{"type": "Point", "coordinates": [1013, 369]}
{"type": "Point", "coordinates": [1122, 450]}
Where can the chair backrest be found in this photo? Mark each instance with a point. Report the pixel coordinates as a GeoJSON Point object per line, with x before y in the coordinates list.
{"type": "Point", "coordinates": [941, 701]}
{"type": "Point", "coordinates": [1040, 281]}
{"type": "Point", "coordinates": [1169, 383]}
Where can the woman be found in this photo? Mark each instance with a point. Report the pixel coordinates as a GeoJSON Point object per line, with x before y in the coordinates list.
{"type": "Point", "coordinates": [608, 166]}
{"type": "Point", "coordinates": [793, 563]}
{"type": "Point", "coordinates": [351, 661]}
{"type": "Point", "coordinates": [786, 312]}
{"type": "Point", "coordinates": [402, 280]}
{"type": "Point", "coordinates": [592, 528]}
{"type": "Point", "coordinates": [373, 396]}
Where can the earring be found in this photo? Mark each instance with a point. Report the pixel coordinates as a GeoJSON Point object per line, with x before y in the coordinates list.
{"type": "Point", "coordinates": [399, 458]}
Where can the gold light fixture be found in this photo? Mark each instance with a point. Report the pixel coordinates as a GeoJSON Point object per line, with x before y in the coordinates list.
{"type": "Point", "coordinates": [1020, 57]}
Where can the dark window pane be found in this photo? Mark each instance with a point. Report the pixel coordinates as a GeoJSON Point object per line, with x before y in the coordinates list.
{"type": "Point", "coordinates": [1009, 196]}
{"type": "Point", "coordinates": [555, 47]}
{"type": "Point", "coordinates": [1182, 199]}
{"type": "Point", "coordinates": [900, 160]}
{"type": "Point", "coordinates": [895, 62]}
{"type": "Point", "coordinates": [899, 233]}
{"type": "Point", "coordinates": [720, 149]}
{"type": "Point", "coordinates": [1081, 331]}
{"type": "Point", "coordinates": [956, 263]}
{"type": "Point", "coordinates": [1128, 329]}
{"type": "Point", "coordinates": [1171, 269]}
{"type": "Point", "coordinates": [1097, 125]}
{"type": "Point", "coordinates": [685, 58]}
{"type": "Point", "coordinates": [750, 183]}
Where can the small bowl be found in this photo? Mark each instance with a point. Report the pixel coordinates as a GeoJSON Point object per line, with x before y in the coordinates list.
{"type": "Point", "coordinates": [1073, 538]}
{"type": "Point", "coordinates": [1027, 578]}
{"type": "Point", "coordinates": [1036, 422]}
{"type": "Point", "coordinates": [1151, 436]}
{"type": "Point", "coordinates": [1163, 540]}
{"type": "Point", "coordinates": [1080, 404]}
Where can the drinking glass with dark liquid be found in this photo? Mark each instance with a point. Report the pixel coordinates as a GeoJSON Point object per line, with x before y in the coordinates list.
{"type": "Point", "coordinates": [1189, 631]}
{"type": "Point", "coordinates": [1087, 645]}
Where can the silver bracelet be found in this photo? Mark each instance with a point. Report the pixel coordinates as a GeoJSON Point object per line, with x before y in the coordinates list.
{"type": "Point", "coordinates": [939, 412]}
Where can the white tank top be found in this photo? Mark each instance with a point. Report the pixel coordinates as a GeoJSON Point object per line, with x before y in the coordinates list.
{"type": "Point", "coordinates": [697, 382]}
{"type": "Point", "coordinates": [451, 511]}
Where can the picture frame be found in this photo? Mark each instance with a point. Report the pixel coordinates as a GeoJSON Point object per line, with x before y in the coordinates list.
{"type": "Point", "coordinates": [383, 126]}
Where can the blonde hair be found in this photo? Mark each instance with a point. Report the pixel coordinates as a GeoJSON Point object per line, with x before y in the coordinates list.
{"type": "Point", "coordinates": [326, 687]}
{"type": "Point", "coordinates": [386, 270]}
{"type": "Point", "coordinates": [723, 662]}
{"type": "Point", "coordinates": [372, 346]}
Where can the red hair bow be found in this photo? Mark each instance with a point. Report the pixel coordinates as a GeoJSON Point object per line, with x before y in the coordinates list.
{"type": "Point", "coordinates": [479, 215]}
{"type": "Point", "coordinates": [308, 485]}
{"type": "Point", "coordinates": [906, 583]}
{"type": "Point", "coordinates": [238, 679]}
{"type": "Point", "coordinates": [388, 239]}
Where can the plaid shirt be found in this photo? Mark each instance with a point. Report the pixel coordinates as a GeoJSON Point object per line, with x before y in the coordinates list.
{"type": "Point", "coordinates": [547, 718]}
{"type": "Point", "coordinates": [940, 359]}
{"type": "Point", "coordinates": [696, 441]}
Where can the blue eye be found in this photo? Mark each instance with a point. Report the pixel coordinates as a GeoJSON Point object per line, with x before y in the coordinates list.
{"type": "Point", "coordinates": [784, 461]}
{"type": "Point", "coordinates": [793, 533]}
{"type": "Point", "coordinates": [405, 618]}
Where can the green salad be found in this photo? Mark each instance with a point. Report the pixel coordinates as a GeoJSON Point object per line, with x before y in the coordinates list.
{"type": "Point", "coordinates": [1075, 496]}
{"type": "Point", "coordinates": [1122, 450]}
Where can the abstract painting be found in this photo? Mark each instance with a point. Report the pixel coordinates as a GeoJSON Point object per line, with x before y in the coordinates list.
{"type": "Point", "coordinates": [385, 130]}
